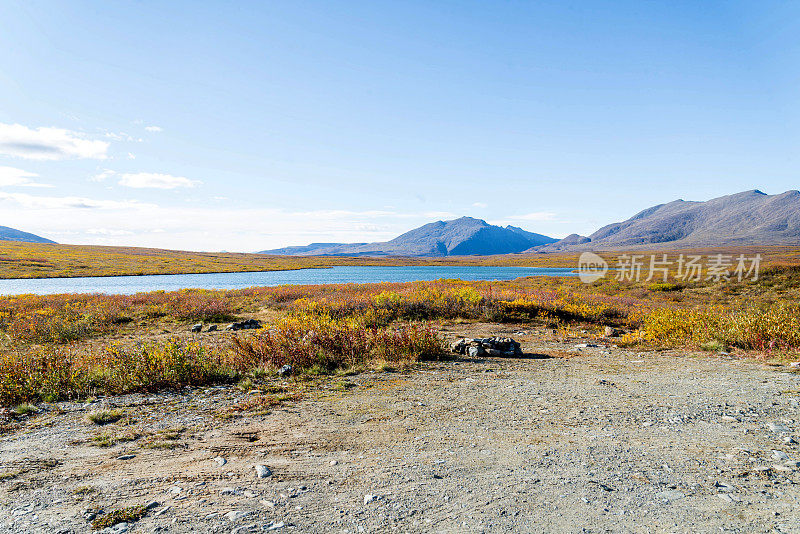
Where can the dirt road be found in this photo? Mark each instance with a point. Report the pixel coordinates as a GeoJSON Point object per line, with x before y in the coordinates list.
{"type": "Point", "coordinates": [601, 440]}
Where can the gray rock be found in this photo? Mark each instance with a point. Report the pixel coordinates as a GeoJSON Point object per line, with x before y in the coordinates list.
{"type": "Point", "coordinates": [779, 455]}
{"type": "Point", "coordinates": [244, 325]}
{"type": "Point", "coordinates": [670, 495]}
{"type": "Point", "coordinates": [163, 511]}
{"type": "Point", "coordinates": [274, 525]}
{"type": "Point", "coordinates": [151, 505]}
{"type": "Point", "coordinates": [610, 331]}
{"type": "Point", "coordinates": [475, 352]}
{"type": "Point", "coordinates": [368, 498]}
{"type": "Point", "coordinates": [212, 328]}
{"type": "Point", "coordinates": [262, 471]}
{"type": "Point", "coordinates": [119, 528]}
{"type": "Point", "coordinates": [286, 370]}
{"type": "Point", "coordinates": [197, 328]}
{"type": "Point", "coordinates": [778, 428]}
{"type": "Point", "coordinates": [126, 457]}
{"type": "Point", "coordinates": [459, 346]}
{"type": "Point", "coordinates": [246, 528]}
{"type": "Point", "coordinates": [220, 461]}
{"type": "Point", "coordinates": [724, 488]}
{"type": "Point", "coordinates": [236, 515]}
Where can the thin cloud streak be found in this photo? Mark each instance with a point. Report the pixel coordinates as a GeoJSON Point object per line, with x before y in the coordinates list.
{"type": "Point", "coordinates": [154, 180]}
{"type": "Point", "coordinates": [11, 176]}
{"type": "Point", "coordinates": [47, 143]}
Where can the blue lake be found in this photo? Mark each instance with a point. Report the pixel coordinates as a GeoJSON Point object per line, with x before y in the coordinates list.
{"type": "Point", "coordinates": [126, 285]}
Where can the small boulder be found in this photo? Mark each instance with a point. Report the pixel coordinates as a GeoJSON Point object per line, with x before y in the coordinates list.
{"type": "Point", "coordinates": [286, 370]}
{"type": "Point", "coordinates": [475, 351]}
{"type": "Point", "coordinates": [610, 331]}
{"type": "Point", "coordinates": [212, 328]}
{"type": "Point", "coordinates": [459, 346]}
{"type": "Point", "coordinates": [262, 471]}
{"type": "Point", "coordinates": [235, 515]}
{"type": "Point", "coordinates": [197, 328]}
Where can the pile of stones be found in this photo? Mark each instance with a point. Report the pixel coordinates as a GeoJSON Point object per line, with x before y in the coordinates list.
{"type": "Point", "coordinates": [244, 325]}
{"type": "Point", "coordinates": [490, 346]}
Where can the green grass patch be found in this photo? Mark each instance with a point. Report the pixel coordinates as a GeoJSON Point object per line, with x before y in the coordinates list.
{"type": "Point", "coordinates": [123, 515]}
{"type": "Point", "coordinates": [104, 417]}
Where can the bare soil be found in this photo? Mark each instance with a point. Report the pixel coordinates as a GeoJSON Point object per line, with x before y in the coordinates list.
{"type": "Point", "coordinates": [599, 439]}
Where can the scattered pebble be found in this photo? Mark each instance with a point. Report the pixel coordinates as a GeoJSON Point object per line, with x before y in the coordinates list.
{"type": "Point", "coordinates": [163, 511]}
{"type": "Point", "coordinates": [126, 457]}
{"type": "Point", "coordinates": [777, 428]}
{"type": "Point", "coordinates": [670, 495]}
{"type": "Point", "coordinates": [779, 455]}
{"type": "Point", "coordinates": [220, 461]}
{"type": "Point", "coordinates": [369, 498]}
{"type": "Point", "coordinates": [235, 515]}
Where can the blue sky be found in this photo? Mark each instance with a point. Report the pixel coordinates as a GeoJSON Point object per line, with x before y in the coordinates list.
{"type": "Point", "coordinates": [243, 126]}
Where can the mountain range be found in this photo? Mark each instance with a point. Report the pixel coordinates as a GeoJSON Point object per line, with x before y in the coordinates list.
{"type": "Point", "coordinates": [746, 218]}
{"type": "Point", "coordinates": [12, 234]}
{"type": "Point", "coordinates": [460, 237]}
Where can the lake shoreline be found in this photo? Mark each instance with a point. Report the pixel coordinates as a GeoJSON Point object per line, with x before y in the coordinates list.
{"type": "Point", "coordinates": [366, 274]}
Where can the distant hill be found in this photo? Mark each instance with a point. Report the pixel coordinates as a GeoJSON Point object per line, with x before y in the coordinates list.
{"type": "Point", "coordinates": [460, 237]}
{"type": "Point", "coordinates": [747, 218]}
{"type": "Point", "coordinates": [12, 234]}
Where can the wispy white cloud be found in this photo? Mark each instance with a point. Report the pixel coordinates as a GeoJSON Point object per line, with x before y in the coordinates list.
{"type": "Point", "coordinates": [154, 180]}
{"type": "Point", "coordinates": [34, 202]}
{"type": "Point", "coordinates": [535, 216]}
{"type": "Point", "coordinates": [479, 205]}
{"type": "Point", "coordinates": [48, 143]}
{"type": "Point", "coordinates": [102, 176]}
{"type": "Point", "coordinates": [122, 136]}
{"type": "Point", "coordinates": [108, 231]}
{"type": "Point", "coordinates": [154, 128]}
{"type": "Point", "coordinates": [11, 176]}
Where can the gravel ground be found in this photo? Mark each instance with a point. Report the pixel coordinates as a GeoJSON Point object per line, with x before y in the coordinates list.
{"type": "Point", "coordinates": [595, 439]}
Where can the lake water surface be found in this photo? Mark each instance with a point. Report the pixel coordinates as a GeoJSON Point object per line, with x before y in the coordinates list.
{"type": "Point", "coordinates": [127, 285]}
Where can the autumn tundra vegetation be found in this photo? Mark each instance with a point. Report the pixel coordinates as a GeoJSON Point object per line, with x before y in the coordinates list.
{"type": "Point", "coordinates": [76, 346]}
